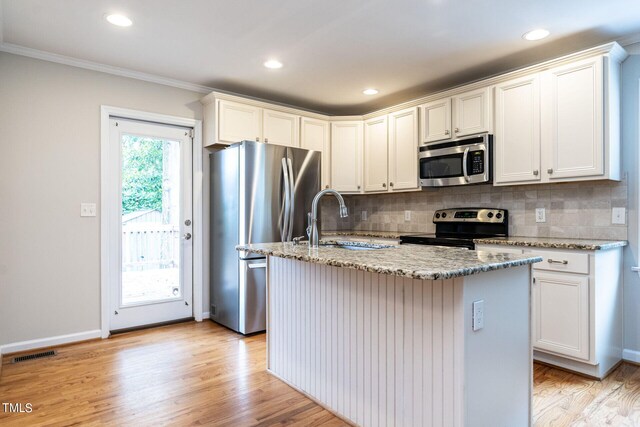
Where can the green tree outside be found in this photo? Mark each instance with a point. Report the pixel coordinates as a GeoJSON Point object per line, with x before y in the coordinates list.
{"type": "Point", "coordinates": [142, 162]}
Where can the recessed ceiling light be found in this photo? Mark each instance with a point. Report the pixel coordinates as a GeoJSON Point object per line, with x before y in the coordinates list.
{"type": "Point", "coordinates": [273, 64]}
{"type": "Point", "coordinates": [119, 20]}
{"type": "Point", "coordinates": [537, 34]}
{"type": "Point", "coordinates": [370, 91]}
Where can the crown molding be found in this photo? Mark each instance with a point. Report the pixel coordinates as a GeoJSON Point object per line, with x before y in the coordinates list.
{"type": "Point", "coordinates": [96, 66]}
{"type": "Point", "coordinates": [629, 39]}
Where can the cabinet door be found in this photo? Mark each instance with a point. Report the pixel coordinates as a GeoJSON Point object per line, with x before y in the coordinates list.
{"type": "Point", "coordinates": [238, 122]}
{"type": "Point", "coordinates": [561, 314]}
{"type": "Point", "coordinates": [315, 136]}
{"type": "Point", "coordinates": [403, 150]}
{"type": "Point", "coordinates": [375, 154]}
{"type": "Point", "coordinates": [346, 156]}
{"type": "Point", "coordinates": [573, 119]}
{"type": "Point", "coordinates": [436, 120]}
{"type": "Point", "coordinates": [517, 133]}
{"type": "Point", "coordinates": [471, 112]}
{"type": "Point", "coordinates": [281, 128]}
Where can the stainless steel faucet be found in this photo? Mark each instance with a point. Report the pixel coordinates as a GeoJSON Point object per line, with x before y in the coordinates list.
{"type": "Point", "coordinates": [312, 229]}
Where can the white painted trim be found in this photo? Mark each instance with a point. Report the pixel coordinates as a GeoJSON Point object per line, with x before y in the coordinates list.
{"type": "Point", "coordinates": [205, 314]}
{"type": "Point", "coordinates": [631, 355]}
{"type": "Point", "coordinates": [105, 177]}
{"type": "Point", "coordinates": [95, 66]}
{"type": "Point", "coordinates": [49, 342]}
{"type": "Point", "coordinates": [198, 215]}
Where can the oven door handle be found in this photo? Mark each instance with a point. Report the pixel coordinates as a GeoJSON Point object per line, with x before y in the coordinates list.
{"type": "Point", "coordinates": [465, 156]}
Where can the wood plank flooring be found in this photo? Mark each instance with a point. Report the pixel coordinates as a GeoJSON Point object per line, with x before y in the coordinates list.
{"type": "Point", "coordinates": [203, 374]}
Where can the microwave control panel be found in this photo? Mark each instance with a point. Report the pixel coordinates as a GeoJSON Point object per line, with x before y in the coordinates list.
{"type": "Point", "coordinates": [477, 162]}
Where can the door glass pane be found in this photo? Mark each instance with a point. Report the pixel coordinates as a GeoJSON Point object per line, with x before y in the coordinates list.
{"type": "Point", "coordinates": [150, 220]}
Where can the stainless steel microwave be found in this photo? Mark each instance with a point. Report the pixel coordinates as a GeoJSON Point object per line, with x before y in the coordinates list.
{"type": "Point", "coordinates": [461, 162]}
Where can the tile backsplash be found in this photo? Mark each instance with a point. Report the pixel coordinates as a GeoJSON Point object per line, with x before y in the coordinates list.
{"type": "Point", "coordinates": [573, 210]}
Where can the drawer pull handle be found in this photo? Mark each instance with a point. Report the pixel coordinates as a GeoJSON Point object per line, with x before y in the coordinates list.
{"type": "Point", "coordinates": [553, 261]}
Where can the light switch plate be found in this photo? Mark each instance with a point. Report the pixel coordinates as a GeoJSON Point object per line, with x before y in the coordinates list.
{"type": "Point", "coordinates": [541, 215]}
{"type": "Point", "coordinates": [619, 216]}
{"type": "Point", "coordinates": [87, 209]}
{"type": "Point", "coordinates": [407, 215]}
{"type": "Point", "coordinates": [363, 215]}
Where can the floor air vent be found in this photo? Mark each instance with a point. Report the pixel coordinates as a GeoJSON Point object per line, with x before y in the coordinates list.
{"type": "Point", "coordinates": [33, 356]}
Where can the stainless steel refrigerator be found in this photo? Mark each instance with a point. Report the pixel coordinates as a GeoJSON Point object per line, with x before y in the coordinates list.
{"type": "Point", "coordinates": [259, 193]}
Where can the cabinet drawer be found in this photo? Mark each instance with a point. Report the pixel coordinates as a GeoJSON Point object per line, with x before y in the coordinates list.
{"type": "Point", "coordinates": [562, 261]}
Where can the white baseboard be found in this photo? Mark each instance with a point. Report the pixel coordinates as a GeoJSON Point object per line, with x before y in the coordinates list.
{"type": "Point", "coordinates": [631, 355]}
{"type": "Point", "coordinates": [205, 315]}
{"type": "Point", "coordinates": [49, 342]}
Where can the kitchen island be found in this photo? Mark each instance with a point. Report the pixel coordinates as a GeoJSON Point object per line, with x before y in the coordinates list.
{"type": "Point", "coordinates": [386, 336]}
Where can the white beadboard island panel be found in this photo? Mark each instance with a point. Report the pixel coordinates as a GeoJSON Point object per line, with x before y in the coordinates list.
{"type": "Point", "coordinates": [384, 350]}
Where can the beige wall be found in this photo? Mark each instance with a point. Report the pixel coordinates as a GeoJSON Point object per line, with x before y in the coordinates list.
{"type": "Point", "coordinates": [49, 163]}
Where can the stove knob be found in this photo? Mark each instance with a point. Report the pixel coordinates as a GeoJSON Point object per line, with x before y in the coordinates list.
{"type": "Point", "coordinates": [490, 214]}
{"type": "Point", "coordinates": [444, 214]}
{"type": "Point", "coordinates": [437, 215]}
{"type": "Point", "coordinates": [498, 215]}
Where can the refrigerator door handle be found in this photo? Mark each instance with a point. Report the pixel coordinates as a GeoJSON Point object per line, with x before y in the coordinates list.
{"type": "Point", "coordinates": [287, 202]}
{"type": "Point", "coordinates": [292, 203]}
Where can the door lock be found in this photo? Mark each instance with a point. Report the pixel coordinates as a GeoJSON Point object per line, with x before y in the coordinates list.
{"type": "Point", "coordinates": [187, 236]}
{"type": "Point", "coordinates": [187, 222]}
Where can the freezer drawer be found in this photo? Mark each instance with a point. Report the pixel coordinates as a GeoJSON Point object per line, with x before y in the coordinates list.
{"type": "Point", "coordinates": [253, 296]}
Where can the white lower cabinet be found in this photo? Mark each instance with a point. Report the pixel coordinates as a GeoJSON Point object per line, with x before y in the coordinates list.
{"type": "Point", "coordinates": [561, 314]}
{"type": "Point", "coordinates": [576, 307]}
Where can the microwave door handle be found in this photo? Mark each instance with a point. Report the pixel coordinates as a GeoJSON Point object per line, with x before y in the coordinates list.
{"type": "Point", "coordinates": [464, 164]}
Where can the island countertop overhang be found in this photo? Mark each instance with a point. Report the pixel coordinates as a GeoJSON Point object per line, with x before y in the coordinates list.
{"type": "Point", "coordinates": [412, 261]}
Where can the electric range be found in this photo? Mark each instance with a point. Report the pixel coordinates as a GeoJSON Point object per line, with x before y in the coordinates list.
{"type": "Point", "coordinates": [459, 226]}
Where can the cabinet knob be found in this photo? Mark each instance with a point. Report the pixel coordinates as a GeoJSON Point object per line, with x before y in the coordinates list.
{"type": "Point", "coordinates": [257, 139]}
{"type": "Point", "coordinates": [358, 187]}
{"type": "Point", "coordinates": [326, 186]}
{"type": "Point", "coordinates": [446, 132]}
{"type": "Point", "coordinates": [391, 184]}
{"type": "Point", "coordinates": [384, 185]}
{"type": "Point", "coordinates": [457, 130]}
{"type": "Point", "coordinates": [266, 140]}
{"type": "Point", "coordinates": [549, 171]}
{"type": "Point", "coordinates": [535, 172]}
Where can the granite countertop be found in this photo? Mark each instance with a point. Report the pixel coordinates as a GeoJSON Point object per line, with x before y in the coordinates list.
{"type": "Point", "coordinates": [366, 233]}
{"type": "Point", "coordinates": [553, 243]}
{"type": "Point", "coordinates": [413, 261]}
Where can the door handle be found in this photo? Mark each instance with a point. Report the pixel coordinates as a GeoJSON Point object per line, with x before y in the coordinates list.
{"type": "Point", "coordinates": [292, 199]}
{"type": "Point", "coordinates": [285, 222]}
{"type": "Point", "coordinates": [464, 164]}
{"type": "Point", "coordinates": [258, 265]}
{"type": "Point", "coordinates": [187, 236]}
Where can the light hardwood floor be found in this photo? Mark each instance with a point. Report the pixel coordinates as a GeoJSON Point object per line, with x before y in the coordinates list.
{"type": "Point", "coordinates": [203, 374]}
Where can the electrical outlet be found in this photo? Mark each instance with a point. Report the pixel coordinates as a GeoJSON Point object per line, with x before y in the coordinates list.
{"type": "Point", "coordinates": [478, 315]}
{"type": "Point", "coordinates": [363, 215]}
{"type": "Point", "coordinates": [407, 215]}
{"type": "Point", "coordinates": [619, 216]}
{"type": "Point", "coordinates": [87, 209]}
{"type": "Point", "coordinates": [541, 215]}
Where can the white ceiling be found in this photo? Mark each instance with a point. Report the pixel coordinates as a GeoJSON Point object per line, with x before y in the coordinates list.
{"type": "Point", "coordinates": [331, 49]}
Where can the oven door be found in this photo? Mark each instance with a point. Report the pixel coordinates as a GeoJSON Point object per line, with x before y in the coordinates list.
{"type": "Point", "coordinates": [457, 165]}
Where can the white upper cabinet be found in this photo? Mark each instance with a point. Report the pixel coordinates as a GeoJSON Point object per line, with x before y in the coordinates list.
{"type": "Point", "coordinates": [238, 122]}
{"type": "Point", "coordinates": [517, 131]}
{"type": "Point", "coordinates": [573, 119]}
{"type": "Point", "coordinates": [461, 115]}
{"type": "Point", "coordinates": [375, 154]}
{"type": "Point", "coordinates": [403, 150]}
{"type": "Point", "coordinates": [314, 135]}
{"type": "Point", "coordinates": [281, 128]}
{"type": "Point", "coordinates": [346, 156]}
{"type": "Point", "coordinates": [471, 112]}
{"type": "Point", "coordinates": [436, 117]}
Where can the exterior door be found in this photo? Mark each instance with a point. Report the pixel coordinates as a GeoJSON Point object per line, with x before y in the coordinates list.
{"type": "Point", "coordinates": [154, 253]}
